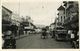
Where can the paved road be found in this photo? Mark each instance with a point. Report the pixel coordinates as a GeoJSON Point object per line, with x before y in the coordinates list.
{"type": "Point", "coordinates": [35, 42]}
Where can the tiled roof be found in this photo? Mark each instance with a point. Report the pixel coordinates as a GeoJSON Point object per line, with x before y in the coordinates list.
{"type": "Point", "coordinates": [61, 8]}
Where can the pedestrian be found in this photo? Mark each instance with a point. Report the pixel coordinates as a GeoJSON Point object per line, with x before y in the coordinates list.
{"type": "Point", "coordinates": [69, 34]}
{"type": "Point", "coordinates": [52, 34]}
{"type": "Point", "coordinates": [3, 40]}
{"type": "Point", "coordinates": [9, 39]}
{"type": "Point", "coordinates": [72, 38]}
{"type": "Point", "coordinates": [76, 40]}
{"type": "Point", "coordinates": [44, 34]}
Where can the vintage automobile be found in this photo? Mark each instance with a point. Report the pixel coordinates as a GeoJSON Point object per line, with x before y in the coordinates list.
{"type": "Point", "coordinates": [60, 33]}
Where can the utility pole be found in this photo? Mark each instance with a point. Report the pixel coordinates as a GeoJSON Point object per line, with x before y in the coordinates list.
{"type": "Point", "coordinates": [19, 16]}
{"type": "Point", "coordinates": [65, 4]}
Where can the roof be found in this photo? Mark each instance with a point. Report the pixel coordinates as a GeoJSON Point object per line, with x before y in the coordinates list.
{"type": "Point", "coordinates": [61, 8]}
{"type": "Point", "coordinates": [57, 13]}
{"type": "Point", "coordinates": [52, 23]}
{"type": "Point", "coordinates": [7, 9]}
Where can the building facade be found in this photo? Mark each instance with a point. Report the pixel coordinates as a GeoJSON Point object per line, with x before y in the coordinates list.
{"type": "Point", "coordinates": [6, 18]}
{"type": "Point", "coordinates": [15, 19]}
{"type": "Point", "coordinates": [6, 14]}
{"type": "Point", "coordinates": [61, 15]}
{"type": "Point", "coordinates": [27, 24]}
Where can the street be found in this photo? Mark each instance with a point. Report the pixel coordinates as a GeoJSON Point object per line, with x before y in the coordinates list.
{"type": "Point", "coordinates": [23, 21]}
{"type": "Point", "coordinates": [34, 41]}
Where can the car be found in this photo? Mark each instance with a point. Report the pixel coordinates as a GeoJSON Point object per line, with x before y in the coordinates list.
{"type": "Point", "coordinates": [60, 34]}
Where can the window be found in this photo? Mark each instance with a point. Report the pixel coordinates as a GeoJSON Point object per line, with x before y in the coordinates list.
{"type": "Point", "coordinates": [61, 18]}
{"type": "Point", "coordinates": [64, 17]}
{"type": "Point", "coordinates": [64, 12]}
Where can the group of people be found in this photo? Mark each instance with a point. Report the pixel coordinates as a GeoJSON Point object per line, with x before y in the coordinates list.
{"type": "Point", "coordinates": [8, 37]}
{"type": "Point", "coordinates": [44, 34]}
{"type": "Point", "coordinates": [74, 38]}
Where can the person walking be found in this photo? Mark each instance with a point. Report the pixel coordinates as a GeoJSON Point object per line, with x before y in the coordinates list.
{"type": "Point", "coordinates": [44, 34]}
{"type": "Point", "coordinates": [69, 34]}
{"type": "Point", "coordinates": [72, 38]}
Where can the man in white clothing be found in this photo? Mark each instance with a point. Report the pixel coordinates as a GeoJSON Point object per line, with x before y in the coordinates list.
{"type": "Point", "coordinates": [72, 38]}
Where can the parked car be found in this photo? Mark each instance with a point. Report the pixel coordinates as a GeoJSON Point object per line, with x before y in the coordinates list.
{"type": "Point", "coordinates": [60, 33]}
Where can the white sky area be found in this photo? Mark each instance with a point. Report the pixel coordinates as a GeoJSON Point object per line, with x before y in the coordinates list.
{"type": "Point", "coordinates": [42, 12]}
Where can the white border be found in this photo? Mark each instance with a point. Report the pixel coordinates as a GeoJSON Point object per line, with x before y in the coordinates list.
{"type": "Point", "coordinates": [34, 49]}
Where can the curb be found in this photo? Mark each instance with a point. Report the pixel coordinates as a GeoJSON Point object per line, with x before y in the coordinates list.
{"type": "Point", "coordinates": [21, 37]}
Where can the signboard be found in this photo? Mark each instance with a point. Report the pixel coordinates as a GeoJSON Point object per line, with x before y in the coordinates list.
{"type": "Point", "coordinates": [26, 27]}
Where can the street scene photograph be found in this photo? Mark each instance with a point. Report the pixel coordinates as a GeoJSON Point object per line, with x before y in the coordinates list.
{"type": "Point", "coordinates": [40, 24]}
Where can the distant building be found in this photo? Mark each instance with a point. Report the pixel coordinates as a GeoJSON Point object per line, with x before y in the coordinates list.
{"type": "Point", "coordinates": [40, 26]}
{"type": "Point", "coordinates": [52, 25]}
{"type": "Point", "coordinates": [15, 19]}
{"type": "Point", "coordinates": [27, 24]}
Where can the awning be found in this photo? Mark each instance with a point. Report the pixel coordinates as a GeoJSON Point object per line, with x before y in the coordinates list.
{"type": "Point", "coordinates": [6, 22]}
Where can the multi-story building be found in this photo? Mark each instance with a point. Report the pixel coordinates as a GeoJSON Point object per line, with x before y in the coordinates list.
{"type": "Point", "coordinates": [15, 19]}
{"type": "Point", "coordinates": [61, 15]}
{"type": "Point", "coordinates": [6, 14]}
{"type": "Point", "coordinates": [27, 24]}
{"type": "Point", "coordinates": [6, 18]}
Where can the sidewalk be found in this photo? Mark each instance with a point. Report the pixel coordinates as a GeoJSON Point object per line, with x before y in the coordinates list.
{"type": "Point", "coordinates": [21, 36]}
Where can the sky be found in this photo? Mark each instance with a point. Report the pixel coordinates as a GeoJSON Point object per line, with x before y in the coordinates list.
{"type": "Point", "coordinates": [42, 12]}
